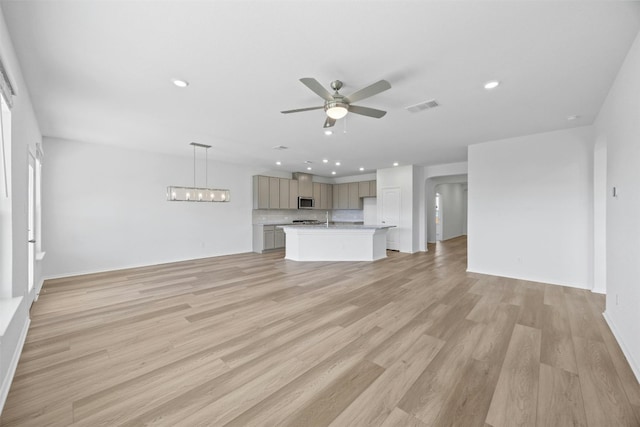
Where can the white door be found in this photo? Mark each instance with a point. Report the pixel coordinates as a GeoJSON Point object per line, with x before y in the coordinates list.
{"type": "Point", "coordinates": [391, 216]}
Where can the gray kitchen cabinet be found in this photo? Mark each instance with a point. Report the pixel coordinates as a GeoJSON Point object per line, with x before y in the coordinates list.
{"type": "Point", "coordinates": [363, 189]}
{"type": "Point", "coordinates": [284, 193]}
{"type": "Point", "coordinates": [274, 193]}
{"type": "Point", "coordinates": [336, 196]}
{"type": "Point", "coordinates": [354, 202]}
{"type": "Point", "coordinates": [373, 188]}
{"type": "Point", "coordinates": [317, 196]}
{"type": "Point", "coordinates": [293, 194]}
{"type": "Point", "coordinates": [260, 192]}
{"type": "Point", "coordinates": [267, 237]}
{"type": "Point", "coordinates": [323, 197]}
{"type": "Point", "coordinates": [278, 238]}
{"type": "Point", "coordinates": [305, 185]}
{"type": "Point", "coordinates": [329, 196]}
{"type": "Point", "coordinates": [343, 196]}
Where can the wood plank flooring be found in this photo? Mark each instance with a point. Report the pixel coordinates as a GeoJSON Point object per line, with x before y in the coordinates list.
{"type": "Point", "coordinates": [255, 340]}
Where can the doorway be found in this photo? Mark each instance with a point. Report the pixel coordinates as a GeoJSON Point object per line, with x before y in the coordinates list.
{"type": "Point", "coordinates": [438, 217]}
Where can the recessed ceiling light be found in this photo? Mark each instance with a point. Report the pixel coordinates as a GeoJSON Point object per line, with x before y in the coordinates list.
{"type": "Point", "coordinates": [574, 117]}
{"type": "Point", "coordinates": [361, 169]}
{"type": "Point", "coordinates": [337, 163]}
{"type": "Point", "coordinates": [180, 83]}
{"type": "Point", "coordinates": [395, 163]}
{"type": "Point", "coordinates": [492, 84]}
{"type": "Point", "coordinates": [278, 163]}
{"type": "Point", "coordinates": [325, 161]}
{"type": "Point", "coordinates": [333, 172]}
{"type": "Point", "coordinates": [308, 168]}
{"type": "Point", "coordinates": [328, 132]}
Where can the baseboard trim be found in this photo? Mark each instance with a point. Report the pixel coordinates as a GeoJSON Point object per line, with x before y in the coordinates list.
{"type": "Point", "coordinates": [632, 363]}
{"type": "Point", "coordinates": [6, 383]}
{"type": "Point", "coordinates": [599, 291]}
{"type": "Point", "coordinates": [530, 279]}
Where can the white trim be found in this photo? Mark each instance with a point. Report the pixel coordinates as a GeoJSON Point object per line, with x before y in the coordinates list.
{"type": "Point", "coordinates": [531, 279]}
{"type": "Point", "coordinates": [38, 288]}
{"type": "Point", "coordinates": [6, 384]}
{"type": "Point", "coordinates": [602, 291]}
{"type": "Point", "coordinates": [632, 363]}
{"type": "Point", "coordinates": [40, 255]}
{"type": "Point", "coordinates": [8, 308]}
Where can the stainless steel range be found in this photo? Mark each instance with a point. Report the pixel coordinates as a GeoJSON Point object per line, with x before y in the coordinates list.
{"type": "Point", "coordinates": [306, 221]}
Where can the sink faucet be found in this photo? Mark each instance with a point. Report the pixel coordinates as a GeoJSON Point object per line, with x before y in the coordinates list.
{"type": "Point", "coordinates": [327, 215]}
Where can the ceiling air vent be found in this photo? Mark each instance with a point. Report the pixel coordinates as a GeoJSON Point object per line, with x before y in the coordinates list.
{"type": "Point", "coordinates": [280, 147]}
{"type": "Point", "coordinates": [432, 103]}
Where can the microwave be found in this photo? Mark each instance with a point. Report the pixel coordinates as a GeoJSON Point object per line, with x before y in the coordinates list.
{"type": "Point", "coordinates": [305, 203]}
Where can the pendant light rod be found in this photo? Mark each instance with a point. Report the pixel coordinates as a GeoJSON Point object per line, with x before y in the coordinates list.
{"type": "Point", "coordinates": [206, 165]}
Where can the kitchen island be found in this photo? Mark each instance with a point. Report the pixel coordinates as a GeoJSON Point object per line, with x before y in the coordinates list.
{"type": "Point", "coordinates": [335, 242]}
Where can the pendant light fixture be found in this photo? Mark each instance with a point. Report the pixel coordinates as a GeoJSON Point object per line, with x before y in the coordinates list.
{"type": "Point", "coordinates": [198, 194]}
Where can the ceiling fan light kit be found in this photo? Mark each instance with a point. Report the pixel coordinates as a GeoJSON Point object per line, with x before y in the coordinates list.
{"type": "Point", "coordinates": [337, 106]}
{"type": "Point", "coordinates": [336, 110]}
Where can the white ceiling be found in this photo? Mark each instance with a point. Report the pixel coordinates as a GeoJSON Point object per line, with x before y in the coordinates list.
{"type": "Point", "coordinates": [100, 72]}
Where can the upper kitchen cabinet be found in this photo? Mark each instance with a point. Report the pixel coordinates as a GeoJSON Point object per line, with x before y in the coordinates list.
{"type": "Point", "coordinates": [367, 189]}
{"type": "Point", "coordinates": [343, 197]}
{"type": "Point", "coordinates": [284, 193]}
{"type": "Point", "coordinates": [305, 184]}
{"type": "Point", "coordinates": [293, 194]}
{"type": "Point", "coordinates": [349, 195]}
{"type": "Point", "coordinates": [355, 202]}
{"type": "Point", "coordinates": [260, 192]}
{"type": "Point", "coordinates": [266, 192]}
{"type": "Point", "coordinates": [317, 203]}
{"type": "Point", "coordinates": [322, 195]}
{"type": "Point", "coordinates": [274, 193]}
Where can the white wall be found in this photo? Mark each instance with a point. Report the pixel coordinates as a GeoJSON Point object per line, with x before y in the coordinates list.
{"type": "Point", "coordinates": [105, 208]}
{"type": "Point", "coordinates": [25, 134]}
{"type": "Point", "coordinates": [531, 207]}
{"type": "Point", "coordinates": [618, 125]}
{"type": "Point", "coordinates": [452, 209]}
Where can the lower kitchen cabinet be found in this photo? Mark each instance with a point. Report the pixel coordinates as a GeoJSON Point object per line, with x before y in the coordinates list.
{"type": "Point", "coordinates": [267, 237]}
{"type": "Point", "coordinates": [278, 238]}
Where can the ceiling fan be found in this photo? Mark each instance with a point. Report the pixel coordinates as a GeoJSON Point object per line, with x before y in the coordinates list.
{"type": "Point", "coordinates": [337, 106]}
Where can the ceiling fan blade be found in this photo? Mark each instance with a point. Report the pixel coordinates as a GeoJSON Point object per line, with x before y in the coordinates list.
{"type": "Point", "coordinates": [329, 122]}
{"type": "Point", "coordinates": [368, 91]}
{"type": "Point", "coordinates": [298, 110]}
{"type": "Point", "coordinates": [315, 86]}
{"type": "Point", "coordinates": [366, 111]}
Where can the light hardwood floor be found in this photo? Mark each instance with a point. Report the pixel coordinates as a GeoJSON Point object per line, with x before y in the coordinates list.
{"type": "Point", "coordinates": [254, 340]}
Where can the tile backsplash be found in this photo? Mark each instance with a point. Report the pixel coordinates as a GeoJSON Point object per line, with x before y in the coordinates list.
{"type": "Point", "coordinates": [274, 216]}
